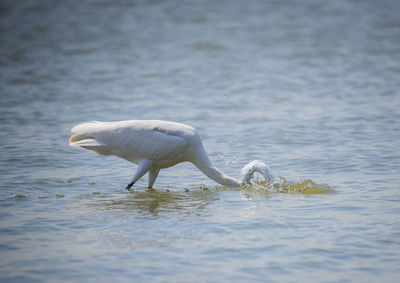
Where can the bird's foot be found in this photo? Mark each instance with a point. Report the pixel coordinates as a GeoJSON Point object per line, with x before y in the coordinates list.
{"type": "Point", "coordinates": [128, 187]}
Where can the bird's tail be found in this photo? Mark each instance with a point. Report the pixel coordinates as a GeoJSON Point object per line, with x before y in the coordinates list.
{"type": "Point", "coordinates": [84, 136]}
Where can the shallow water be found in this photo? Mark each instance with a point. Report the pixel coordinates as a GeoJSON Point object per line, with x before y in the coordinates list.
{"type": "Point", "coordinates": [312, 89]}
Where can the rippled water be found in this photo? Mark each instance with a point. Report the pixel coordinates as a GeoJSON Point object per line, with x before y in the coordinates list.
{"type": "Point", "coordinates": [309, 87]}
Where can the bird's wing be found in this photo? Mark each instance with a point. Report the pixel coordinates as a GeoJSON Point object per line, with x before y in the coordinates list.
{"type": "Point", "coordinates": [129, 140]}
{"type": "Point", "coordinates": [152, 144]}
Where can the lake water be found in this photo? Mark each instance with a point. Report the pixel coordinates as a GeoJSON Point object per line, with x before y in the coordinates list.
{"type": "Point", "coordinates": [309, 87]}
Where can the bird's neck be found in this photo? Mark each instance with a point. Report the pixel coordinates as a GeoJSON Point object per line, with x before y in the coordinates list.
{"type": "Point", "coordinates": [219, 177]}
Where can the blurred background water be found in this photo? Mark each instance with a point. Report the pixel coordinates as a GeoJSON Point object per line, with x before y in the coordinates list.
{"type": "Point", "coordinates": [309, 87]}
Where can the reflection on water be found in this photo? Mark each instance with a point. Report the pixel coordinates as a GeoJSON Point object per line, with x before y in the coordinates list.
{"type": "Point", "coordinates": [149, 201]}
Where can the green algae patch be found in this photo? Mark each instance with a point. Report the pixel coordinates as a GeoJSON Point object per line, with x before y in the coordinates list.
{"type": "Point", "coordinates": [306, 186]}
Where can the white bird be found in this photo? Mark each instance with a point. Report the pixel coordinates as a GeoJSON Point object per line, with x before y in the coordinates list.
{"type": "Point", "coordinates": [154, 145]}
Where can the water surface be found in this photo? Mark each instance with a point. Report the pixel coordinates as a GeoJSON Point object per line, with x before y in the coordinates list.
{"type": "Point", "coordinates": [311, 89]}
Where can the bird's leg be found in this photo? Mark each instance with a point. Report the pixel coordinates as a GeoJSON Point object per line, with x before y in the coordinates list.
{"type": "Point", "coordinates": [153, 173]}
{"type": "Point", "coordinates": [143, 167]}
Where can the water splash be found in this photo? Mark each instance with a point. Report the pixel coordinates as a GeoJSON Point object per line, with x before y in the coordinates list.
{"type": "Point", "coordinates": [305, 186]}
{"type": "Point", "coordinates": [280, 185]}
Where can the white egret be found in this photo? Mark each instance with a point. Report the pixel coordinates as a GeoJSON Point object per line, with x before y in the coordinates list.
{"type": "Point", "coordinates": [154, 145]}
